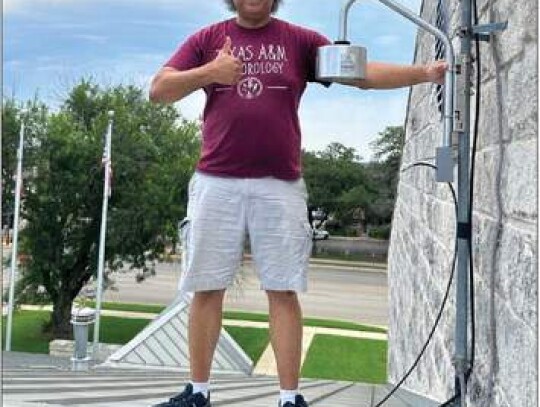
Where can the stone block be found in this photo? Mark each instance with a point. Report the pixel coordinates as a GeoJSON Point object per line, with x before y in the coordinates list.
{"type": "Point", "coordinates": [61, 348]}
{"type": "Point", "coordinates": [517, 278]}
{"type": "Point", "coordinates": [486, 183]}
{"type": "Point", "coordinates": [522, 27]}
{"type": "Point", "coordinates": [64, 348]}
{"type": "Point", "coordinates": [491, 130]}
{"type": "Point", "coordinates": [520, 181]}
{"type": "Point", "coordinates": [485, 244]}
{"type": "Point", "coordinates": [516, 358]}
{"type": "Point", "coordinates": [522, 96]}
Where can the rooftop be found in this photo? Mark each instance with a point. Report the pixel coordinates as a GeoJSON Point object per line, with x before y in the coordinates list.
{"type": "Point", "coordinates": [41, 380]}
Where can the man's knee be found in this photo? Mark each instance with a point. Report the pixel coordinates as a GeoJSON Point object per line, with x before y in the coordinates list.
{"type": "Point", "coordinates": [282, 297]}
{"type": "Point", "coordinates": [209, 297]}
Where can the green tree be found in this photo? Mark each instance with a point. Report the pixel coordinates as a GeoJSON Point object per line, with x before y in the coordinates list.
{"type": "Point", "coordinates": [340, 183]}
{"type": "Point", "coordinates": [388, 148]}
{"type": "Point", "coordinates": [384, 172]}
{"type": "Point", "coordinates": [153, 155]}
{"type": "Point", "coordinates": [336, 180]}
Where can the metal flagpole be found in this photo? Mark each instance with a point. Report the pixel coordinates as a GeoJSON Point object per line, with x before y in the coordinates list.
{"type": "Point", "coordinates": [13, 274]}
{"type": "Point", "coordinates": [102, 234]}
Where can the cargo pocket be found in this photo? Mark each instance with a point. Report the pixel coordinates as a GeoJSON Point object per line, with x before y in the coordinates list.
{"type": "Point", "coordinates": [183, 235]}
{"type": "Point", "coordinates": [308, 245]}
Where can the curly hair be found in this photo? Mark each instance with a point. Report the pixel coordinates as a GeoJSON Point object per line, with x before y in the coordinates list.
{"type": "Point", "coordinates": [275, 6]}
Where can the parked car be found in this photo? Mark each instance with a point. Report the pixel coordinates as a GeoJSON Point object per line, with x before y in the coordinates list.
{"type": "Point", "coordinates": [320, 234]}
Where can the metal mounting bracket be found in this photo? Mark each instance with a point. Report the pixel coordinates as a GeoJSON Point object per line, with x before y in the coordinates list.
{"type": "Point", "coordinates": [483, 31]}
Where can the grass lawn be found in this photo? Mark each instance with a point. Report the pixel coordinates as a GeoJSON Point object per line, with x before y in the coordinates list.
{"type": "Point", "coordinates": [351, 359]}
{"type": "Point", "coordinates": [28, 330]}
{"type": "Point", "coordinates": [28, 333]}
{"type": "Point", "coordinates": [323, 323]}
{"type": "Point", "coordinates": [118, 330]}
{"type": "Point", "coordinates": [244, 316]}
{"type": "Point", "coordinates": [329, 356]}
{"type": "Point", "coordinates": [252, 340]}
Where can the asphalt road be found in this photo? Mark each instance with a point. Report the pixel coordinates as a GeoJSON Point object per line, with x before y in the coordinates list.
{"type": "Point", "coordinates": [335, 292]}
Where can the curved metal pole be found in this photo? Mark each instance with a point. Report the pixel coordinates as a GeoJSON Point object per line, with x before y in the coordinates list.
{"type": "Point", "coordinates": [449, 57]}
{"type": "Point", "coordinates": [343, 20]}
{"type": "Point", "coordinates": [450, 60]}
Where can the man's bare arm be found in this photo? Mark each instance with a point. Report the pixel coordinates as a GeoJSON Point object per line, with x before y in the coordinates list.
{"type": "Point", "coordinates": [170, 85]}
{"type": "Point", "coordinates": [381, 75]}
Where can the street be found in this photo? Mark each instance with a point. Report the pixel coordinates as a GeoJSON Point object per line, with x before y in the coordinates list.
{"type": "Point", "coordinates": [357, 294]}
{"type": "Point", "coordinates": [335, 292]}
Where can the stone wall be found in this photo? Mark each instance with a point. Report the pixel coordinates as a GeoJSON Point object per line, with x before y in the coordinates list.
{"type": "Point", "coordinates": [64, 348]}
{"type": "Point", "coordinates": [504, 224]}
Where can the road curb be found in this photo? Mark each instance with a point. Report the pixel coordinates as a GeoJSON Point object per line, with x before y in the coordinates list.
{"type": "Point", "coordinates": [349, 265]}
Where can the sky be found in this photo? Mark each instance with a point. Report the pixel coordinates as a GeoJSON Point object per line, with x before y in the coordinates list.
{"type": "Point", "coordinates": [48, 45]}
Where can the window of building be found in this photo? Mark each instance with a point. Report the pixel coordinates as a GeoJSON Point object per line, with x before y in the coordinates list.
{"type": "Point", "coordinates": [442, 24]}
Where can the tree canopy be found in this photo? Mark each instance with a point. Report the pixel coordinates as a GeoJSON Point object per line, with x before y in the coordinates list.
{"type": "Point", "coordinates": [352, 190]}
{"type": "Point", "coordinates": [153, 155]}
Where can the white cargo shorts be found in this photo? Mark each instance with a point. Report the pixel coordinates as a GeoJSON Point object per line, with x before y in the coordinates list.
{"type": "Point", "coordinates": [221, 210]}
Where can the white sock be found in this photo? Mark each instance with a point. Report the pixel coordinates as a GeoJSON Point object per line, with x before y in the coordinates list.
{"type": "Point", "coordinates": [200, 387]}
{"type": "Point", "coordinates": [286, 396]}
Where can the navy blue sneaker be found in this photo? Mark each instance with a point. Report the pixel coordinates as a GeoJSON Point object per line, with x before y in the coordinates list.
{"type": "Point", "coordinates": [298, 402]}
{"type": "Point", "coordinates": [187, 399]}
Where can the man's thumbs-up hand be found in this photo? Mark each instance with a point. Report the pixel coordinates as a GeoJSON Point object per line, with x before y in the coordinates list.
{"type": "Point", "coordinates": [227, 47]}
{"type": "Point", "coordinates": [226, 69]}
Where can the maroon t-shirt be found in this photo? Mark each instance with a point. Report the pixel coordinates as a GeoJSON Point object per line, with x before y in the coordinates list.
{"type": "Point", "coordinates": [251, 129]}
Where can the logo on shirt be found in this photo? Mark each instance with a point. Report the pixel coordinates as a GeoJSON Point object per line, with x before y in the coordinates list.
{"type": "Point", "coordinates": [250, 87]}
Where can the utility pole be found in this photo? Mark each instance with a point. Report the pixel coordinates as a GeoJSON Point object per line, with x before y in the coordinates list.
{"type": "Point", "coordinates": [462, 126]}
{"type": "Point", "coordinates": [462, 133]}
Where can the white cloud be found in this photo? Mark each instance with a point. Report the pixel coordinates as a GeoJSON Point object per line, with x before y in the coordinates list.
{"type": "Point", "coordinates": [192, 106]}
{"type": "Point", "coordinates": [51, 68]}
{"type": "Point", "coordinates": [91, 37]}
{"type": "Point", "coordinates": [190, 7]}
{"type": "Point", "coordinates": [10, 6]}
{"type": "Point", "coordinates": [387, 40]}
{"type": "Point", "coordinates": [13, 64]}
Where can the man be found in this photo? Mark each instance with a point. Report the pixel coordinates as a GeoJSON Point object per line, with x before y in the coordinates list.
{"type": "Point", "coordinates": [253, 69]}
